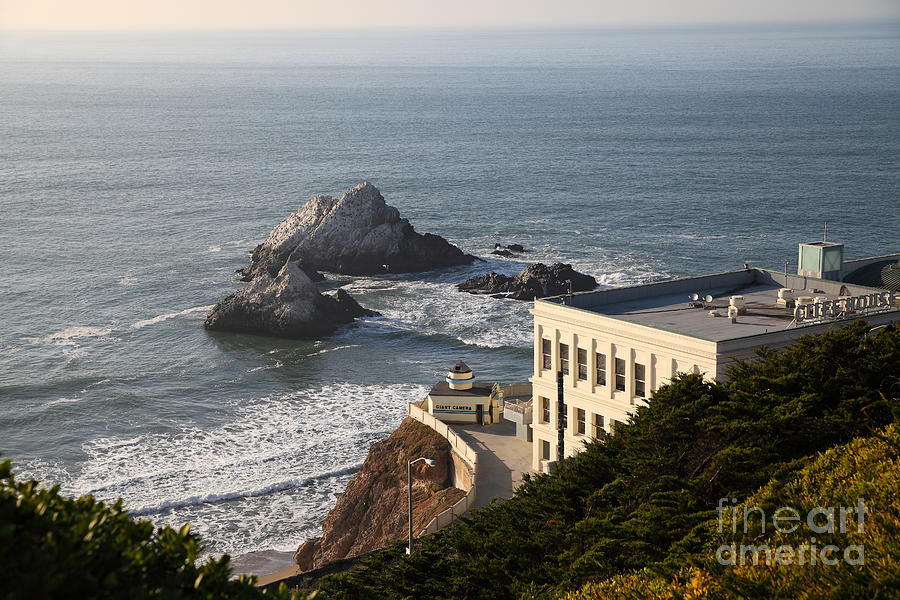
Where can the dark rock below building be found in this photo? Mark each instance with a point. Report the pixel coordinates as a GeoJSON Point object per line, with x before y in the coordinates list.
{"type": "Point", "coordinates": [355, 234]}
{"type": "Point", "coordinates": [286, 305]}
{"type": "Point", "coordinates": [536, 281]}
{"type": "Point", "coordinates": [371, 513]}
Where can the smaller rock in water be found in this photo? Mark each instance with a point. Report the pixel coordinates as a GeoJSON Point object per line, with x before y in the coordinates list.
{"type": "Point", "coordinates": [537, 281]}
{"type": "Point", "coordinates": [502, 250]}
{"type": "Point", "coordinates": [287, 305]}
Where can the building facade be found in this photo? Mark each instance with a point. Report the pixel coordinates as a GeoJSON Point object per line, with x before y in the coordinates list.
{"type": "Point", "coordinates": [615, 347]}
{"type": "Point", "coordinates": [461, 399]}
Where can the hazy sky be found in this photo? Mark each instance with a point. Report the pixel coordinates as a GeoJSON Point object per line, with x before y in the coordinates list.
{"type": "Point", "coordinates": [122, 14]}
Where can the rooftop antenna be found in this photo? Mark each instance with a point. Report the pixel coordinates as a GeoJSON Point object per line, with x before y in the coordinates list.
{"type": "Point", "coordinates": [825, 233]}
{"type": "Point", "coordinates": [785, 272]}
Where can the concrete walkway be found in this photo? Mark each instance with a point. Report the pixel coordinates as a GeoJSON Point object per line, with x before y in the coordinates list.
{"type": "Point", "coordinates": [502, 458]}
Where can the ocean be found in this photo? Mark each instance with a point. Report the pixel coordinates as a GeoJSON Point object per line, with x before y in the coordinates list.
{"type": "Point", "coordinates": [138, 169]}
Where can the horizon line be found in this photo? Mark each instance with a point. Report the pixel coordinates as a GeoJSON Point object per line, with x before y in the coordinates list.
{"type": "Point", "coordinates": [633, 26]}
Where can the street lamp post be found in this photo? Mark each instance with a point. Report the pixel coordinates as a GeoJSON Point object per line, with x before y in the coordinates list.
{"type": "Point", "coordinates": [409, 465]}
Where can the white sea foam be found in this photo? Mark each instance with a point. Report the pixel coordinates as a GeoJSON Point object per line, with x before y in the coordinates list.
{"type": "Point", "coordinates": [127, 280]}
{"type": "Point", "coordinates": [167, 316]}
{"type": "Point", "coordinates": [70, 335]}
{"type": "Point", "coordinates": [95, 384]}
{"type": "Point", "coordinates": [433, 308]}
{"type": "Point", "coordinates": [266, 490]}
{"type": "Point", "coordinates": [215, 248]}
{"type": "Point", "coordinates": [327, 350]}
{"type": "Point", "coordinates": [62, 401]}
{"type": "Point", "coordinates": [276, 365]}
{"type": "Point", "coordinates": [275, 459]}
{"type": "Point", "coordinates": [71, 339]}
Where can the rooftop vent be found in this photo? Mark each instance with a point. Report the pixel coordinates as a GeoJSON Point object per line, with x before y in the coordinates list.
{"type": "Point", "coordinates": [785, 298]}
{"type": "Point", "coordinates": [737, 303]}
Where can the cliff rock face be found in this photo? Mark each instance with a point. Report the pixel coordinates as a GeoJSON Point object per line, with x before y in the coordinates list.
{"type": "Point", "coordinates": [286, 305]}
{"type": "Point", "coordinates": [371, 513]}
{"type": "Point", "coordinates": [355, 234]}
{"type": "Point", "coordinates": [536, 281]}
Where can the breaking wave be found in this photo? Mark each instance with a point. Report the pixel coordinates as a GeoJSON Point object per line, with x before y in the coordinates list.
{"type": "Point", "coordinates": [167, 316]}
{"type": "Point", "coordinates": [267, 490]}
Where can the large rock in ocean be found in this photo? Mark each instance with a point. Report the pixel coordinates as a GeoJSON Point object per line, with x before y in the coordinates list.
{"type": "Point", "coordinates": [355, 234]}
{"type": "Point", "coordinates": [536, 281]}
{"type": "Point", "coordinates": [287, 305]}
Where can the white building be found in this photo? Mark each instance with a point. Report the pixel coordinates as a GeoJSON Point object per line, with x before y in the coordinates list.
{"type": "Point", "coordinates": [615, 347]}
{"type": "Point", "coordinates": [461, 399]}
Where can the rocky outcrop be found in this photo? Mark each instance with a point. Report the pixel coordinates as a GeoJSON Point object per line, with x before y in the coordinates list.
{"type": "Point", "coordinates": [537, 281]}
{"type": "Point", "coordinates": [246, 273]}
{"type": "Point", "coordinates": [287, 304]}
{"type": "Point", "coordinates": [507, 251]}
{"type": "Point", "coordinates": [355, 234]}
{"type": "Point", "coordinates": [371, 513]}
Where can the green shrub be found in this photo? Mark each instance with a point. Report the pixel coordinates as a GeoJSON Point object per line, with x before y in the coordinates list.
{"type": "Point", "coordinates": [867, 468]}
{"type": "Point", "coordinates": [57, 547]}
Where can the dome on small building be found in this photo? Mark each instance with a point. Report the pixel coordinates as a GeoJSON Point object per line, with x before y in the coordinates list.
{"type": "Point", "coordinates": [460, 377]}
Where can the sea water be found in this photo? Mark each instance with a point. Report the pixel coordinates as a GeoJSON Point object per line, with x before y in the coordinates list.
{"type": "Point", "coordinates": [138, 169]}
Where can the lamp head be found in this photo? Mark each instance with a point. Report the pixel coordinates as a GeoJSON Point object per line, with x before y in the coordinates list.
{"type": "Point", "coordinates": [429, 462]}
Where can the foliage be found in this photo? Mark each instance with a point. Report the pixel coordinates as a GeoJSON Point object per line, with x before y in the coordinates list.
{"type": "Point", "coordinates": [865, 468]}
{"type": "Point", "coordinates": [57, 547]}
{"type": "Point", "coordinates": [641, 501]}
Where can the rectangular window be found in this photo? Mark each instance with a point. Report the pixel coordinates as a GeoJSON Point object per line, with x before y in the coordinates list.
{"type": "Point", "coordinates": [620, 374]}
{"type": "Point", "coordinates": [640, 380]}
{"type": "Point", "coordinates": [547, 362]}
{"type": "Point", "coordinates": [580, 421]}
{"type": "Point", "coordinates": [600, 369]}
{"type": "Point", "coordinates": [582, 364]}
{"type": "Point", "coordinates": [545, 450]}
{"type": "Point", "coordinates": [614, 425]}
{"type": "Point", "coordinates": [545, 410]}
{"type": "Point", "coordinates": [564, 358]}
{"type": "Point", "coordinates": [598, 426]}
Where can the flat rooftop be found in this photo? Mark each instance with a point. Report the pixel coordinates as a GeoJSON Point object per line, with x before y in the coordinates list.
{"type": "Point", "coordinates": [666, 305]}
{"type": "Point", "coordinates": [479, 389]}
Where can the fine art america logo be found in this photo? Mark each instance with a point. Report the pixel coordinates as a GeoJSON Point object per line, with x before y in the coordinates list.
{"type": "Point", "coordinates": [823, 521]}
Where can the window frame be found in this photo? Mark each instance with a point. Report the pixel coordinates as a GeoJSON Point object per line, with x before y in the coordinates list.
{"type": "Point", "coordinates": [582, 370]}
{"type": "Point", "coordinates": [545, 409]}
{"type": "Point", "coordinates": [564, 358]}
{"type": "Point", "coordinates": [599, 368]}
{"type": "Point", "coordinates": [621, 374]}
{"type": "Point", "coordinates": [546, 354]}
{"type": "Point", "coordinates": [640, 383]}
{"type": "Point", "coordinates": [599, 424]}
{"type": "Point", "coordinates": [580, 421]}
